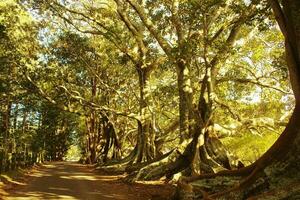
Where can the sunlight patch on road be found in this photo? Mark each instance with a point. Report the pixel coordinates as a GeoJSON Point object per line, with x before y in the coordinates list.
{"type": "Point", "coordinates": [41, 195]}
{"type": "Point", "coordinates": [89, 178]}
{"type": "Point", "coordinates": [39, 175]}
{"type": "Point", "coordinates": [113, 196]}
{"type": "Point", "coordinates": [8, 179]}
{"type": "Point", "coordinates": [50, 166]}
{"type": "Point", "coordinates": [57, 188]}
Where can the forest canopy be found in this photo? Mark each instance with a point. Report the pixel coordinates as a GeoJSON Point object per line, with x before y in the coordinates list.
{"type": "Point", "coordinates": [154, 88]}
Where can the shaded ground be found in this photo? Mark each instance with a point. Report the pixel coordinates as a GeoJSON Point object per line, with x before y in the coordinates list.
{"type": "Point", "coordinates": [66, 180]}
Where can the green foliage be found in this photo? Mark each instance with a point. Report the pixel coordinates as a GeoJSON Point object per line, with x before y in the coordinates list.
{"type": "Point", "coordinates": [73, 154]}
{"type": "Point", "coordinates": [55, 134]}
{"type": "Point", "coordinates": [67, 67]}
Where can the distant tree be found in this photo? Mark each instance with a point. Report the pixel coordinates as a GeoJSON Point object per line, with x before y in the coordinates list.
{"type": "Point", "coordinates": [18, 47]}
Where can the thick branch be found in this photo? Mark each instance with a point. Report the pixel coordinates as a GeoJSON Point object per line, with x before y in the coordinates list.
{"type": "Point", "coordinates": [151, 27]}
{"type": "Point", "coordinates": [255, 82]}
{"type": "Point", "coordinates": [176, 21]}
{"type": "Point", "coordinates": [135, 32]}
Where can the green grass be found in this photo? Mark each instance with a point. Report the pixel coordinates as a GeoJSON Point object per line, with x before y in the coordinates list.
{"type": "Point", "coordinates": [250, 147]}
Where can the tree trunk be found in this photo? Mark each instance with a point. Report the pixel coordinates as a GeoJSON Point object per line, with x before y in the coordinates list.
{"type": "Point", "coordinates": [90, 139]}
{"type": "Point", "coordinates": [16, 113]}
{"type": "Point", "coordinates": [185, 99]}
{"type": "Point", "coordinates": [192, 122]}
{"type": "Point", "coordinates": [111, 141]}
{"type": "Point", "coordinates": [4, 129]}
{"type": "Point", "coordinates": [146, 135]}
{"type": "Point", "coordinates": [92, 128]}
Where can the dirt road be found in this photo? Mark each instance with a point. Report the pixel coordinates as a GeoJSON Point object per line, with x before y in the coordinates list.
{"type": "Point", "coordinates": [65, 180]}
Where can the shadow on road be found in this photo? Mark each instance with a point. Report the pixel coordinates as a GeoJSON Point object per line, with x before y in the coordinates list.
{"type": "Point", "coordinates": [65, 180]}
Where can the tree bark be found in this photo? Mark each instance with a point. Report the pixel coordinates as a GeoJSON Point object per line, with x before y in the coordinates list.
{"type": "Point", "coordinates": [146, 135]}
{"type": "Point", "coordinates": [92, 130]}
{"type": "Point", "coordinates": [185, 99]}
{"type": "Point", "coordinates": [4, 130]}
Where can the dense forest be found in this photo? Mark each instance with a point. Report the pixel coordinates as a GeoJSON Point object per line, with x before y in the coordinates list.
{"type": "Point", "coordinates": [204, 94]}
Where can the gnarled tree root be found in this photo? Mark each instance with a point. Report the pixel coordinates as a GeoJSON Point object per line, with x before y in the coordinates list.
{"type": "Point", "coordinates": [291, 192]}
{"type": "Point", "coordinates": [114, 168]}
{"type": "Point", "coordinates": [212, 186]}
{"type": "Point", "coordinates": [137, 166]}
{"type": "Point", "coordinates": [271, 182]}
{"type": "Point", "coordinates": [238, 172]}
{"type": "Point", "coordinates": [155, 170]}
{"type": "Point", "coordinates": [201, 186]}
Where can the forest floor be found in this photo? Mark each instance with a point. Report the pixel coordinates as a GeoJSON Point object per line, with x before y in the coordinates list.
{"type": "Point", "coordinates": [69, 180]}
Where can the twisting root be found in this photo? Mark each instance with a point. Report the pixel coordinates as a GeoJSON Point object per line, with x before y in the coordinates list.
{"type": "Point", "coordinates": [239, 172]}
{"type": "Point", "coordinates": [250, 179]}
{"type": "Point", "coordinates": [250, 173]}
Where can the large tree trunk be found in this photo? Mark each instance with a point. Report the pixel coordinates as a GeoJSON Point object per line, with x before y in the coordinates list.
{"type": "Point", "coordinates": [193, 120]}
{"type": "Point", "coordinates": [146, 135]}
{"type": "Point", "coordinates": [145, 148]}
{"type": "Point", "coordinates": [92, 130]}
{"type": "Point", "coordinates": [111, 141]}
{"type": "Point", "coordinates": [91, 143]}
{"type": "Point", "coordinates": [185, 99]}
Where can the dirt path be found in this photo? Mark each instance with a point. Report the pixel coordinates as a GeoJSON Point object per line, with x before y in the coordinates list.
{"type": "Point", "coordinates": [65, 180]}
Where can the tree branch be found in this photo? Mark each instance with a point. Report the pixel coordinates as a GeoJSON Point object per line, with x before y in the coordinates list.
{"type": "Point", "coordinates": [151, 27]}
{"type": "Point", "coordinates": [255, 82]}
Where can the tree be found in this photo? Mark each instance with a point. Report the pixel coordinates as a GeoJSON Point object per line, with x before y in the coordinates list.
{"type": "Point", "coordinates": [55, 132]}
{"type": "Point", "coordinates": [18, 51]}
{"type": "Point", "coordinates": [168, 30]}
{"type": "Point", "coordinates": [195, 118]}
{"type": "Point", "coordinates": [270, 175]}
{"type": "Point", "coordinates": [195, 69]}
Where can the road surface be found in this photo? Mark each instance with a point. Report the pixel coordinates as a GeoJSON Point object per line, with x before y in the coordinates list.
{"type": "Point", "coordinates": [66, 180]}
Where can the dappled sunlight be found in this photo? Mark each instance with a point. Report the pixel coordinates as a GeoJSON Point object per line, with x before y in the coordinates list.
{"type": "Point", "coordinates": [80, 178]}
{"type": "Point", "coordinates": [128, 99]}
{"type": "Point", "coordinates": [65, 180]}
{"type": "Point", "coordinates": [56, 188]}
{"type": "Point", "coordinates": [115, 196]}
{"type": "Point", "coordinates": [39, 174]}
{"type": "Point", "coordinates": [8, 179]}
{"type": "Point", "coordinates": [88, 177]}
{"type": "Point", "coordinates": [50, 166]}
{"type": "Point", "coordinates": [41, 195]}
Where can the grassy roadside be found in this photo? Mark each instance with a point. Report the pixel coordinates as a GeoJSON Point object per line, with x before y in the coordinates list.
{"type": "Point", "coordinates": [248, 147]}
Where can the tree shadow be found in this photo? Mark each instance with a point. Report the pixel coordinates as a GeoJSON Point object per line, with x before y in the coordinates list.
{"type": "Point", "coordinates": [62, 180]}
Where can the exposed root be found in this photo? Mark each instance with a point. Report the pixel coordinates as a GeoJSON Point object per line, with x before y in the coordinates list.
{"type": "Point", "coordinates": [236, 190]}
{"type": "Point", "coordinates": [118, 166]}
{"type": "Point", "coordinates": [238, 172]}
{"type": "Point", "coordinates": [155, 170]}
{"type": "Point", "coordinates": [216, 186]}
{"type": "Point", "coordinates": [276, 181]}
{"type": "Point", "coordinates": [291, 192]}
{"type": "Point", "coordinates": [202, 189]}
{"type": "Point", "coordinates": [138, 166]}
{"type": "Point", "coordinates": [115, 168]}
